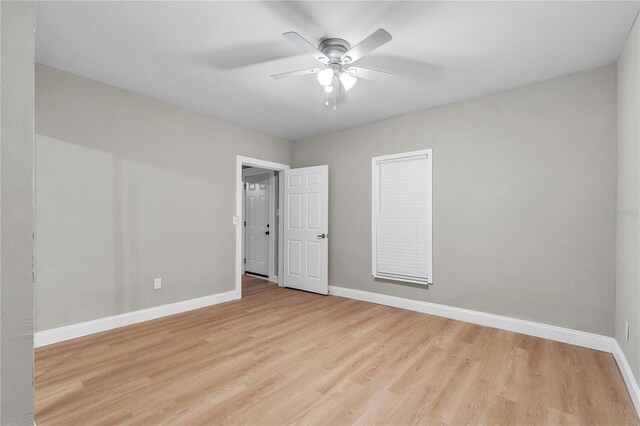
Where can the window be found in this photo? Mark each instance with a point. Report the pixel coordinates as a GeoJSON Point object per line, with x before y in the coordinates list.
{"type": "Point", "coordinates": [401, 217]}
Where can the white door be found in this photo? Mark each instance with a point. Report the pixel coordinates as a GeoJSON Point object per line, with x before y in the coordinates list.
{"type": "Point", "coordinates": [306, 229]}
{"type": "Point", "coordinates": [257, 230]}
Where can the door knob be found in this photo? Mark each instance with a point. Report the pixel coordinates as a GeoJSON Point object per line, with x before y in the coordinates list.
{"type": "Point", "coordinates": [323, 236]}
{"type": "Point", "coordinates": [266, 233]}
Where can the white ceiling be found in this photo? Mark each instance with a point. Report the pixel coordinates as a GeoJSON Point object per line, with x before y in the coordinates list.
{"type": "Point", "coordinates": [216, 57]}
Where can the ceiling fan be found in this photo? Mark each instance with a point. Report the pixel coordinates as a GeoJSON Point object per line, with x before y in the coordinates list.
{"type": "Point", "coordinates": [336, 56]}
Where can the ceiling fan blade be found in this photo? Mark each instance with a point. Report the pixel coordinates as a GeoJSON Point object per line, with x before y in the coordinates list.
{"type": "Point", "coordinates": [373, 75]}
{"type": "Point", "coordinates": [375, 40]}
{"type": "Point", "coordinates": [296, 73]}
{"type": "Point", "coordinates": [305, 46]}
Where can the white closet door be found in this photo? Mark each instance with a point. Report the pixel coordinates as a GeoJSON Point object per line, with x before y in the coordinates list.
{"type": "Point", "coordinates": [257, 227]}
{"type": "Point", "coordinates": [306, 229]}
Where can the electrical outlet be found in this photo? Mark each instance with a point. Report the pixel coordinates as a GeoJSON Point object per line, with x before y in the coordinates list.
{"type": "Point", "coordinates": [157, 283]}
{"type": "Point", "coordinates": [626, 330]}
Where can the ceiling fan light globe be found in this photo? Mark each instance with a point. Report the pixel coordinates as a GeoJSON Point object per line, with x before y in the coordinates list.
{"type": "Point", "coordinates": [348, 81]}
{"type": "Point", "coordinates": [325, 76]}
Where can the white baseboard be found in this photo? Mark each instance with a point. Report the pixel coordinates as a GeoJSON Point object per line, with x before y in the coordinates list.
{"type": "Point", "coordinates": [627, 374]}
{"type": "Point", "coordinates": [564, 335]}
{"type": "Point", "coordinates": [60, 334]}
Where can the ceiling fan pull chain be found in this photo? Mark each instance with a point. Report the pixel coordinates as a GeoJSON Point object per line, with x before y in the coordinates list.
{"type": "Point", "coordinates": [331, 95]}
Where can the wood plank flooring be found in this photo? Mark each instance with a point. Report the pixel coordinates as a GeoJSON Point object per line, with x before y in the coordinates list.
{"type": "Point", "coordinates": [282, 356]}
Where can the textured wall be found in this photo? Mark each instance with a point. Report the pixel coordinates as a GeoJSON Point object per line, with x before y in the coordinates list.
{"type": "Point", "coordinates": [16, 212]}
{"type": "Point", "coordinates": [523, 182]}
{"type": "Point", "coordinates": [128, 189]}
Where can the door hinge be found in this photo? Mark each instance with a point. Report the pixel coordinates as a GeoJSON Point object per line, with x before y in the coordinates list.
{"type": "Point", "coordinates": [244, 185]}
{"type": "Point", "coordinates": [245, 260]}
{"type": "Point", "coordinates": [245, 223]}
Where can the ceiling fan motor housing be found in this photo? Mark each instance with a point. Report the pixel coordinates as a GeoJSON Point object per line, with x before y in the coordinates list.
{"type": "Point", "coordinates": [334, 48]}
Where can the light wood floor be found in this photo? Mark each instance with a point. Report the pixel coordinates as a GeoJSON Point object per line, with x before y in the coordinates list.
{"type": "Point", "coordinates": [282, 356]}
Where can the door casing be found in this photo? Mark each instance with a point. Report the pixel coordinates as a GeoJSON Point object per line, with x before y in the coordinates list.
{"type": "Point", "coordinates": [237, 218]}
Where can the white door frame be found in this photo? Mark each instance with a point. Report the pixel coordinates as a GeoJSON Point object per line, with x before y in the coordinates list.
{"type": "Point", "coordinates": [273, 276]}
{"type": "Point", "coordinates": [254, 162]}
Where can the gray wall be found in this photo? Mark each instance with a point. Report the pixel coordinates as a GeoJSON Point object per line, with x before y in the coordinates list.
{"type": "Point", "coordinates": [129, 189]}
{"type": "Point", "coordinates": [16, 212]}
{"type": "Point", "coordinates": [628, 229]}
{"type": "Point", "coordinates": [523, 181]}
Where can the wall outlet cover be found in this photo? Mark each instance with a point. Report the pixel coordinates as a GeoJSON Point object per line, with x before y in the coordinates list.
{"type": "Point", "coordinates": [157, 283]}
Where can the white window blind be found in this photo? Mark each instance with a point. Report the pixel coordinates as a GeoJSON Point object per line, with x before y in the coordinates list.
{"type": "Point", "coordinates": [401, 224]}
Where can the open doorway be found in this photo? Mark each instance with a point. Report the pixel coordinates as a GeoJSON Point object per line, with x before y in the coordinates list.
{"type": "Point", "coordinates": [259, 229]}
{"type": "Point", "coordinates": [302, 197]}
{"type": "Point", "coordinates": [260, 222]}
